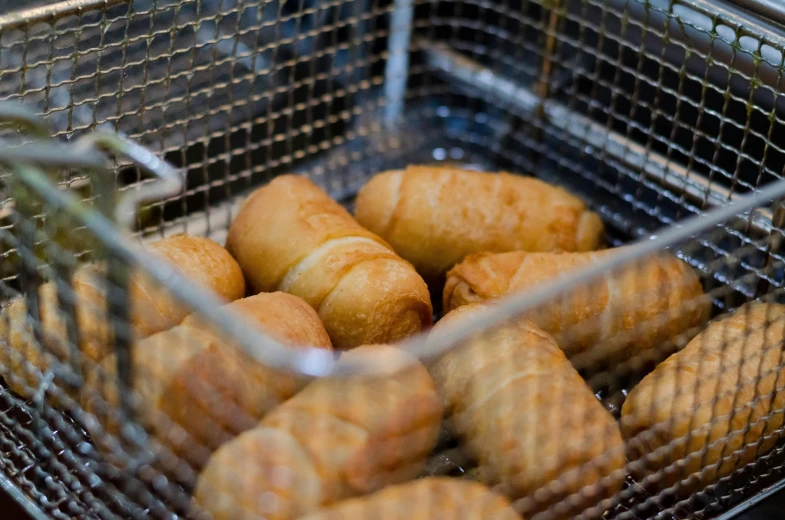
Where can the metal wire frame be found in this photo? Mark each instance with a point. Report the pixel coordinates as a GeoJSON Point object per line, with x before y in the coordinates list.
{"type": "Point", "coordinates": [602, 108]}
{"type": "Point", "coordinates": [730, 211]}
{"type": "Point", "coordinates": [509, 42]}
{"type": "Point", "coordinates": [423, 348]}
{"type": "Point", "coordinates": [163, 13]}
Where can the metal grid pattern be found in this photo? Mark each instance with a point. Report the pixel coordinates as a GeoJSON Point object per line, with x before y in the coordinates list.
{"type": "Point", "coordinates": [697, 101]}
{"type": "Point", "coordinates": [729, 256]}
{"type": "Point", "coordinates": [681, 114]}
{"type": "Point", "coordinates": [651, 111]}
{"type": "Point", "coordinates": [229, 89]}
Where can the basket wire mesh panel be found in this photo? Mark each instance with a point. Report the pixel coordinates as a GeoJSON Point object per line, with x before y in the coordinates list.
{"type": "Point", "coordinates": [136, 475]}
{"type": "Point", "coordinates": [651, 112]}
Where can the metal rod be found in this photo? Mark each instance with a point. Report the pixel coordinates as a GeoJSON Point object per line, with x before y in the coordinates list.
{"type": "Point", "coordinates": [543, 87]}
{"type": "Point", "coordinates": [170, 180]}
{"type": "Point", "coordinates": [29, 278]}
{"type": "Point", "coordinates": [24, 119]}
{"type": "Point", "coordinates": [170, 183]}
{"type": "Point", "coordinates": [50, 154]}
{"type": "Point", "coordinates": [771, 10]}
{"type": "Point", "coordinates": [29, 17]}
{"type": "Point", "coordinates": [29, 506]}
{"type": "Point", "coordinates": [758, 499]}
{"type": "Point", "coordinates": [773, 246]}
{"type": "Point", "coordinates": [66, 299]}
{"type": "Point", "coordinates": [118, 310]}
{"type": "Point", "coordinates": [396, 72]}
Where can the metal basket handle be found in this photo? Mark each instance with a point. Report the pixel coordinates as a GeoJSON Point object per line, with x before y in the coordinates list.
{"type": "Point", "coordinates": [170, 182]}
{"type": "Point", "coordinates": [33, 156]}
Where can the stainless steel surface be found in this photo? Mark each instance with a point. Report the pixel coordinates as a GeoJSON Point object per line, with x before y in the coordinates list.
{"type": "Point", "coordinates": [20, 500]}
{"type": "Point", "coordinates": [756, 508]}
{"type": "Point", "coordinates": [170, 181]}
{"type": "Point", "coordinates": [772, 10]}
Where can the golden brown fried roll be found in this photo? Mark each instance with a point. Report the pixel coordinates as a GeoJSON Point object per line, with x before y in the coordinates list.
{"type": "Point", "coordinates": [436, 216]}
{"type": "Point", "coordinates": [425, 499]}
{"type": "Point", "coordinates": [199, 259]}
{"type": "Point", "coordinates": [524, 413]}
{"type": "Point", "coordinates": [336, 439]}
{"type": "Point", "coordinates": [712, 407]}
{"type": "Point", "coordinates": [153, 309]}
{"type": "Point", "coordinates": [291, 236]}
{"type": "Point", "coordinates": [196, 390]}
{"type": "Point", "coordinates": [621, 315]}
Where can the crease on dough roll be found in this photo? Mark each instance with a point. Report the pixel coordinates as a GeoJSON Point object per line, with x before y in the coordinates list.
{"type": "Point", "coordinates": [424, 499]}
{"type": "Point", "coordinates": [153, 309]}
{"type": "Point", "coordinates": [196, 390]}
{"type": "Point", "coordinates": [714, 406]}
{"type": "Point", "coordinates": [345, 244]}
{"type": "Point", "coordinates": [336, 439]}
{"type": "Point", "coordinates": [291, 236]}
{"type": "Point", "coordinates": [629, 313]}
{"type": "Point", "coordinates": [436, 216]}
{"type": "Point", "coordinates": [521, 410]}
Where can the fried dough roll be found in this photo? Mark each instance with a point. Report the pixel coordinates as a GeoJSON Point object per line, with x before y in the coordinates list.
{"type": "Point", "coordinates": [435, 216]}
{"type": "Point", "coordinates": [715, 405]}
{"type": "Point", "coordinates": [424, 499]}
{"type": "Point", "coordinates": [621, 315]}
{"type": "Point", "coordinates": [291, 236]}
{"type": "Point", "coordinates": [526, 416]}
{"type": "Point", "coordinates": [197, 390]}
{"type": "Point", "coordinates": [153, 309]}
{"type": "Point", "coordinates": [336, 439]}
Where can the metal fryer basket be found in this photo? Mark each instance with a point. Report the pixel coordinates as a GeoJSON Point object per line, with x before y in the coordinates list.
{"type": "Point", "coordinates": [651, 111]}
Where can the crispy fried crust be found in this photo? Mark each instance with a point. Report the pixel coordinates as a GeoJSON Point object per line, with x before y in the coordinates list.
{"type": "Point", "coordinates": [618, 316]}
{"type": "Point", "coordinates": [199, 391]}
{"type": "Point", "coordinates": [152, 308]}
{"type": "Point", "coordinates": [715, 405]}
{"type": "Point", "coordinates": [336, 439]}
{"type": "Point", "coordinates": [424, 499]}
{"type": "Point", "coordinates": [291, 236]}
{"type": "Point", "coordinates": [436, 216]}
{"type": "Point", "coordinates": [528, 418]}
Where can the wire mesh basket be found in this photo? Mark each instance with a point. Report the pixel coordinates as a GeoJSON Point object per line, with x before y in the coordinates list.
{"type": "Point", "coordinates": [641, 382]}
